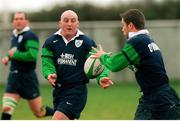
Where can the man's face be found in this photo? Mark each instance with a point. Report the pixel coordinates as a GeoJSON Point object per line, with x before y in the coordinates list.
{"type": "Point", "coordinates": [19, 21]}
{"type": "Point", "coordinates": [69, 24]}
{"type": "Point", "coordinates": [125, 28]}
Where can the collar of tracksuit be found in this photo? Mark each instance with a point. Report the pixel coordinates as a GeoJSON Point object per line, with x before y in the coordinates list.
{"type": "Point", "coordinates": [15, 33]}
{"type": "Point", "coordinates": [143, 31]}
{"type": "Point", "coordinates": [65, 40]}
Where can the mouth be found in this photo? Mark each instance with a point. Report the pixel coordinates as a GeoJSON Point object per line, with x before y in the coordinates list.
{"type": "Point", "coordinates": [69, 29]}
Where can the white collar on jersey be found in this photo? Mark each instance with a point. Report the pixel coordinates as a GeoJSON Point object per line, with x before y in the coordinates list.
{"type": "Point", "coordinates": [143, 31]}
{"type": "Point", "coordinates": [27, 28]}
{"type": "Point", "coordinates": [65, 40]}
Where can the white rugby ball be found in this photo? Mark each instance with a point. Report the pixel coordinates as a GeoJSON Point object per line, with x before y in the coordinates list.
{"type": "Point", "coordinates": [93, 68]}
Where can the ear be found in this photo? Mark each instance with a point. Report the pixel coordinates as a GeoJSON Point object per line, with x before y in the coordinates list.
{"type": "Point", "coordinates": [78, 24]}
{"type": "Point", "coordinates": [130, 25]}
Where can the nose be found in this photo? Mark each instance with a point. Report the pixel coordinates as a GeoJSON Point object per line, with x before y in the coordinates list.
{"type": "Point", "coordinates": [69, 22]}
{"type": "Point", "coordinates": [122, 29]}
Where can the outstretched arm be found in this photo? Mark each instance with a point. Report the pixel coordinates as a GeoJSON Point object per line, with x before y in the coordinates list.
{"type": "Point", "coordinates": [127, 56]}
{"type": "Point", "coordinates": [103, 80]}
{"type": "Point", "coordinates": [117, 62]}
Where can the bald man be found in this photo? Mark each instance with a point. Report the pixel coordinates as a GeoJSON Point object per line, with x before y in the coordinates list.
{"type": "Point", "coordinates": [63, 56]}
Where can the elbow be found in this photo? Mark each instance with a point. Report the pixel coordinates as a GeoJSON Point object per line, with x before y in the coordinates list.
{"type": "Point", "coordinates": [114, 69]}
{"type": "Point", "coordinates": [33, 57]}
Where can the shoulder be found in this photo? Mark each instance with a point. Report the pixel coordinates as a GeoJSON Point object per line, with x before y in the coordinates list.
{"type": "Point", "coordinates": [141, 43]}
{"type": "Point", "coordinates": [49, 40]}
{"type": "Point", "coordinates": [141, 39]}
{"type": "Point", "coordinates": [30, 35]}
{"type": "Point", "coordinates": [87, 40]}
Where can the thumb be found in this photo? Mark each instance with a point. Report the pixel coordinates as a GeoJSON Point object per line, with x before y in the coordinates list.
{"type": "Point", "coordinates": [54, 76]}
{"type": "Point", "coordinates": [100, 47]}
{"type": "Point", "coordinates": [110, 53]}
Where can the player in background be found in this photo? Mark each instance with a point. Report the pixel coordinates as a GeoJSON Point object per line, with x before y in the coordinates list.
{"type": "Point", "coordinates": [143, 56]}
{"type": "Point", "coordinates": [63, 56]}
{"type": "Point", "coordinates": [22, 79]}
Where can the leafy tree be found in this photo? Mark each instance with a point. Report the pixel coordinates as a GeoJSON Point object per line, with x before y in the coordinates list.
{"type": "Point", "coordinates": [89, 12]}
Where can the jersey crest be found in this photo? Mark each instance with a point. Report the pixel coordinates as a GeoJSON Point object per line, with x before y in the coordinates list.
{"type": "Point", "coordinates": [20, 38]}
{"type": "Point", "coordinates": [78, 43]}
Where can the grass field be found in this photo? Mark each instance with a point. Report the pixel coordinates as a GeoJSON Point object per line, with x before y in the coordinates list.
{"type": "Point", "coordinates": [115, 103]}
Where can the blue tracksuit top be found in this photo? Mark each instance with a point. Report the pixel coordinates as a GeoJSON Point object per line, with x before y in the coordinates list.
{"type": "Point", "coordinates": [150, 72]}
{"type": "Point", "coordinates": [69, 58]}
{"type": "Point", "coordinates": [19, 42]}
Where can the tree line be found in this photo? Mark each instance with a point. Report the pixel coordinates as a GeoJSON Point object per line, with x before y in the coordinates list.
{"type": "Point", "coordinates": [169, 9]}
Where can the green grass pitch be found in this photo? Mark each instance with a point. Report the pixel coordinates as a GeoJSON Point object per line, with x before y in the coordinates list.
{"type": "Point", "coordinates": [115, 103]}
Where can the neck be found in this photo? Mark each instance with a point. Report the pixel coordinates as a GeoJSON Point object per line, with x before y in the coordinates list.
{"type": "Point", "coordinates": [18, 31]}
{"type": "Point", "coordinates": [68, 36]}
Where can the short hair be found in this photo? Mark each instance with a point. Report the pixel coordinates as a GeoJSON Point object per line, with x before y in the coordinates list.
{"type": "Point", "coordinates": [19, 12]}
{"type": "Point", "coordinates": [135, 16]}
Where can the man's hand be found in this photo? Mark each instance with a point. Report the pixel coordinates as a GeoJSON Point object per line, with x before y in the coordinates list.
{"type": "Point", "coordinates": [11, 52]}
{"type": "Point", "coordinates": [5, 60]}
{"type": "Point", "coordinates": [52, 79]}
{"type": "Point", "coordinates": [98, 53]}
{"type": "Point", "coordinates": [105, 82]}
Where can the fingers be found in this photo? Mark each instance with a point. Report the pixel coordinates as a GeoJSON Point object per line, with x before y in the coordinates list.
{"type": "Point", "coordinates": [95, 49]}
{"type": "Point", "coordinates": [105, 82]}
{"type": "Point", "coordinates": [111, 82]}
{"type": "Point", "coordinates": [92, 53]}
{"type": "Point", "coordinates": [52, 79]}
{"type": "Point", "coordinates": [54, 76]}
{"type": "Point", "coordinates": [109, 53]}
{"type": "Point", "coordinates": [52, 82]}
{"type": "Point", "coordinates": [100, 47]}
{"type": "Point", "coordinates": [94, 56]}
{"type": "Point", "coordinates": [105, 86]}
{"type": "Point", "coordinates": [14, 48]}
{"type": "Point", "coordinates": [106, 79]}
{"type": "Point", "coordinates": [5, 60]}
{"type": "Point", "coordinates": [99, 52]}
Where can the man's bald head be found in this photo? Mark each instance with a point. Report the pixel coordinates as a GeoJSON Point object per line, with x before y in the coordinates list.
{"type": "Point", "coordinates": [69, 24]}
{"type": "Point", "coordinates": [69, 13]}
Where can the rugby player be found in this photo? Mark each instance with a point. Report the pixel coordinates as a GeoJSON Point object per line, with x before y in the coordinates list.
{"type": "Point", "coordinates": [142, 55]}
{"type": "Point", "coordinates": [22, 79]}
{"type": "Point", "coordinates": [63, 56]}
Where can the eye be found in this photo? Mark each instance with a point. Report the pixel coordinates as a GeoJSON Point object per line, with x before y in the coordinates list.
{"type": "Point", "coordinates": [73, 20]}
{"type": "Point", "coordinates": [66, 20]}
{"type": "Point", "coordinates": [21, 18]}
{"type": "Point", "coordinates": [16, 19]}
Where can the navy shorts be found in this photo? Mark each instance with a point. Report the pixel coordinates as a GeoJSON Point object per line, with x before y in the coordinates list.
{"type": "Point", "coordinates": [70, 99]}
{"type": "Point", "coordinates": [24, 83]}
{"type": "Point", "coordinates": [163, 104]}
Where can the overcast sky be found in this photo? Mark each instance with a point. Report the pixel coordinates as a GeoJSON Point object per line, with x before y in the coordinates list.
{"type": "Point", "coordinates": [34, 5]}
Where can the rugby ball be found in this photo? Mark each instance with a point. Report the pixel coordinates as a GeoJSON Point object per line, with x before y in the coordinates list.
{"type": "Point", "coordinates": [93, 68]}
